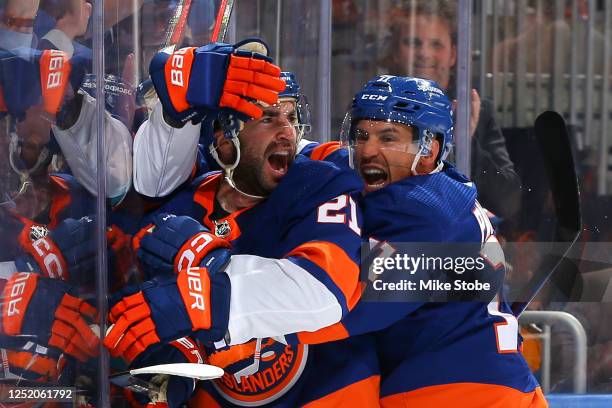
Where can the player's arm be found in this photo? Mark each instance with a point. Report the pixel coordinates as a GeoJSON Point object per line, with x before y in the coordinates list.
{"type": "Point", "coordinates": [315, 285]}
{"type": "Point", "coordinates": [235, 299]}
{"type": "Point", "coordinates": [164, 155]}
{"type": "Point", "coordinates": [77, 140]}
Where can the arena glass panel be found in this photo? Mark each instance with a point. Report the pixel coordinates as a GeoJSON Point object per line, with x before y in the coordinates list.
{"type": "Point", "coordinates": [529, 57]}
{"type": "Point", "coordinates": [49, 222]}
{"type": "Point", "coordinates": [66, 237]}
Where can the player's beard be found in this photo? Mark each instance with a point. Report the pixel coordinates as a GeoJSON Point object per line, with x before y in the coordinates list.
{"type": "Point", "coordinates": [250, 175]}
{"type": "Point", "coordinates": [249, 178]}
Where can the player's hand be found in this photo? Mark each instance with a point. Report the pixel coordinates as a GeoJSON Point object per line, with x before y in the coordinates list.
{"type": "Point", "coordinates": [174, 243]}
{"type": "Point", "coordinates": [120, 257]}
{"type": "Point", "coordinates": [194, 302]}
{"type": "Point", "coordinates": [47, 311]}
{"type": "Point", "coordinates": [31, 361]}
{"type": "Point", "coordinates": [30, 77]}
{"type": "Point", "coordinates": [194, 82]}
{"type": "Point", "coordinates": [174, 390]}
{"type": "Point", "coordinates": [68, 252]}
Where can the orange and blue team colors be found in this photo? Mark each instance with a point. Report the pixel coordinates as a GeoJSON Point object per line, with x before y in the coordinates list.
{"type": "Point", "coordinates": [459, 354]}
{"type": "Point", "coordinates": [311, 219]}
{"type": "Point", "coordinates": [245, 77]}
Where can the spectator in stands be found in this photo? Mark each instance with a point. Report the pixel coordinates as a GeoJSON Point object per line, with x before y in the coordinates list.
{"type": "Point", "coordinates": [71, 18]}
{"type": "Point", "coordinates": [16, 24]}
{"type": "Point", "coordinates": [422, 43]}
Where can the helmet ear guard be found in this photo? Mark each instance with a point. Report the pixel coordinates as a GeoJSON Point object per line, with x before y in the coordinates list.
{"type": "Point", "coordinates": [302, 107]}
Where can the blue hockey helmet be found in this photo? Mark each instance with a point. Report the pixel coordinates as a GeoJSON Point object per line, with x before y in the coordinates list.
{"type": "Point", "coordinates": [292, 90]}
{"type": "Point", "coordinates": [415, 102]}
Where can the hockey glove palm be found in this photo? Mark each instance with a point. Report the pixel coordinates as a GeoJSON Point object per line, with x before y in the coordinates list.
{"type": "Point", "coordinates": [167, 308]}
{"type": "Point", "coordinates": [196, 82]}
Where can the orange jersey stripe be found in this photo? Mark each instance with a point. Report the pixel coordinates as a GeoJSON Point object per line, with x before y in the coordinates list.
{"type": "Point", "coordinates": [364, 393]}
{"type": "Point", "coordinates": [342, 270]}
{"type": "Point", "coordinates": [324, 149]}
{"type": "Point", "coordinates": [334, 332]}
{"type": "Point", "coordinates": [225, 358]}
{"type": "Point", "coordinates": [38, 364]}
{"type": "Point", "coordinates": [466, 395]}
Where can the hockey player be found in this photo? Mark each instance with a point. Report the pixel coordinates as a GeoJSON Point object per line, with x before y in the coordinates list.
{"type": "Point", "coordinates": [461, 354]}
{"type": "Point", "coordinates": [47, 238]}
{"type": "Point", "coordinates": [282, 259]}
{"type": "Point", "coordinates": [50, 115]}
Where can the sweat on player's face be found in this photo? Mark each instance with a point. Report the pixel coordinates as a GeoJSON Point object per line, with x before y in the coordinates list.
{"type": "Point", "coordinates": [280, 115]}
{"type": "Point", "coordinates": [385, 151]}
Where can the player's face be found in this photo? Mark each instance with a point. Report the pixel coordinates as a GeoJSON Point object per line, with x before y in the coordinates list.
{"type": "Point", "coordinates": [267, 148]}
{"type": "Point", "coordinates": [426, 50]}
{"type": "Point", "coordinates": [384, 152]}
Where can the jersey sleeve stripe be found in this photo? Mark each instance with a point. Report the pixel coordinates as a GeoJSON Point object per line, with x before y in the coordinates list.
{"type": "Point", "coordinates": [338, 266]}
{"type": "Point", "coordinates": [323, 150]}
{"type": "Point", "coordinates": [330, 333]}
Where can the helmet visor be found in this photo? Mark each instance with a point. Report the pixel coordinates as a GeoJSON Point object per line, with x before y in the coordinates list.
{"type": "Point", "coordinates": [397, 143]}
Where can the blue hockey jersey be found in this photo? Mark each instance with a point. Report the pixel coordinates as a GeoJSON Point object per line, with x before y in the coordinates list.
{"type": "Point", "coordinates": [312, 220]}
{"type": "Point", "coordinates": [460, 354]}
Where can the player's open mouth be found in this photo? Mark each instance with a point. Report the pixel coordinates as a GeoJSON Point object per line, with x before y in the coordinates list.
{"type": "Point", "coordinates": [279, 162]}
{"type": "Point", "coordinates": [374, 177]}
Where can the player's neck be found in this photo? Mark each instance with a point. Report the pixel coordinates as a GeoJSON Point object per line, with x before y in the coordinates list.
{"type": "Point", "coordinates": [232, 200]}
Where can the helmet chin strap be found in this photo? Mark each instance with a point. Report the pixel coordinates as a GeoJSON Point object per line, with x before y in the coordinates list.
{"type": "Point", "coordinates": [24, 175]}
{"type": "Point", "coordinates": [417, 157]}
{"type": "Point", "coordinates": [228, 169]}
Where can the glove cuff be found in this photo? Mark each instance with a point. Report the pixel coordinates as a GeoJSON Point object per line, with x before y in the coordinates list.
{"type": "Point", "coordinates": [48, 259]}
{"type": "Point", "coordinates": [195, 251]}
{"type": "Point", "coordinates": [221, 291]}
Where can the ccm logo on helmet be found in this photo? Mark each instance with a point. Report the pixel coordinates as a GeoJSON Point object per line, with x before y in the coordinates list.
{"type": "Point", "coordinates": [374, 97]}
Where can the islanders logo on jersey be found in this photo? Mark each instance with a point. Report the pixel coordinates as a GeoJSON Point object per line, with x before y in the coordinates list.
{"type": "Point", "coordinates": [258, 372]}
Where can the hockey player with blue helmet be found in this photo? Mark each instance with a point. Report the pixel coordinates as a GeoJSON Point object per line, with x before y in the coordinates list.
{"type": "Point", "coordinates": [398, 132]}
{"type": "Point", "coordinates": [161, 164]}
{"type": "Point", "coordinates": [416, 104]}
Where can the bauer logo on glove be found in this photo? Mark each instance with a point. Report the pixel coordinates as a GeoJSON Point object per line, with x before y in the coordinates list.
{"type": "Point", "coordinates": [193, 83]}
